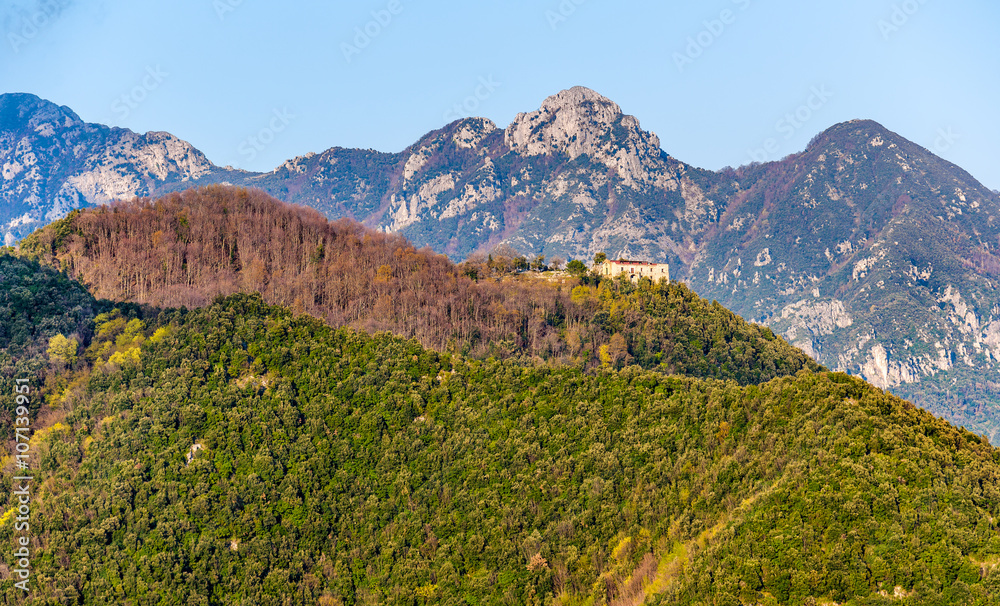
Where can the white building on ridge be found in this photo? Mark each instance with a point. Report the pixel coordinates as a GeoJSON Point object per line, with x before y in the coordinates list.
{"type": "Point", "coordinates": [635, 269]}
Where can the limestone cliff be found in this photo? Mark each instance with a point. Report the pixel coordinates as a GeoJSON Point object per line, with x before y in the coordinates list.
{"type": "Point", "coordinates": [53, 162]}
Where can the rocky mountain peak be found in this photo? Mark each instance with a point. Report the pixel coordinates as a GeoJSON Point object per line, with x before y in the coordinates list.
{"type": "Point", "coordinates": [471, 132]}
{"type": "Point", "coordinates": [866, 249]}
{"type": "Point", "coordinates": [53, 162]}
{"type": "Point", "coordinates": [868, 141]}
{"type": "Point", "coordinates": [467, 133]}
{"type": "Point", "coordinates": [28, 111]}
{"type": "Point", "coordinates": [858, 134]}
{"type": "Point", "coordinates": [578, 122]}
{"type": "Point", "coordinates": [579, 96]}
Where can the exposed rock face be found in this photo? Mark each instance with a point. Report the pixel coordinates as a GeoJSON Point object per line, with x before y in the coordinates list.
{"type": "Point", "coordinates": [809, 319]}
{"type": "Point", "coordinates": [865, 250]}
{"type": "Point", "coordinates": [875, 256]}
{"type": "Point", "coordinates": [53, 162]}
{"type": "Point", "coordinates": [126, 165]}
{"type": "Point", "coordinates": [573, 178]}
{"type": "Point", "coordinates": [579, 122]}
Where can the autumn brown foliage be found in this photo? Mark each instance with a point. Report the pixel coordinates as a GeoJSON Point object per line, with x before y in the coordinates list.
{"type": "Point", "coordinates": [188, 248]}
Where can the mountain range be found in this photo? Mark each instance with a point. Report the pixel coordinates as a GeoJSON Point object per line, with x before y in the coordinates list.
{"type": "Point", "coordinates": [865, 250]}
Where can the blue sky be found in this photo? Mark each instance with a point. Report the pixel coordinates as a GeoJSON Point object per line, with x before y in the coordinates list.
{"type": "Point", "coordinates": [253, 83]}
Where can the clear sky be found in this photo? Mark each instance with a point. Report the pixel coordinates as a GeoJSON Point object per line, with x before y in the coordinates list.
{"type": "Point", "coordinates": [253, 83]}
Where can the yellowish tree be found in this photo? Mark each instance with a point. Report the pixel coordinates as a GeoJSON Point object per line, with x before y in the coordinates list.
{"type": "Point", "coordinates": [62, 349]}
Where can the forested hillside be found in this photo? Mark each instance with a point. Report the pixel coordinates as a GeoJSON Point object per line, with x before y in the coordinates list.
{"type": "Point", "coordinates": [185, 249]}
{"type": "Point", "coordinates": [236, 454]}
{"type": "Point", "coordinates": [510, 443]}
{"type": "Point", "coordinates": [36, 304]}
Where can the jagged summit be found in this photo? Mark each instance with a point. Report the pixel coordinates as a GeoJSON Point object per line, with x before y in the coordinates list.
{"type": "Point", "coordinates": [53, 162]}
{"type": "Point", "coordinates": [25, 109]}
{"type": "Point", "coordinates": [857, 131]}
{"type": "Point", "coordinates": [570, 121]}
{"type": "Point", "coordinates": [865, 249]}
{"type": "Point", "coordinates": [579, 122]}
{"type": "Point", "coordinates": [464, 133]}
{"type": "Point", "coordinates": [580, 95]}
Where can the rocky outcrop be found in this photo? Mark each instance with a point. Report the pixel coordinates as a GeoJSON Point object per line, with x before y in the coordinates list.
{"type": "Point", "coordinates": [579, 122]}
{"type": "Point", "coordinates": [53, 162]}
{"type": "Point", "coordinates": [876, 257]}
{"type": "Point", "coordinates": [803, 322]}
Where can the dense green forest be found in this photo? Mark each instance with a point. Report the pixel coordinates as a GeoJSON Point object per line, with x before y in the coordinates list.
{"type": "Point", "coordinates": [36, 304]}
{"type": "Point", "coordinates": [358, 422]}
{"type": "Point", "coordinates": [187, 248]}
{"type": "Point", "coordinates": [238, 454]}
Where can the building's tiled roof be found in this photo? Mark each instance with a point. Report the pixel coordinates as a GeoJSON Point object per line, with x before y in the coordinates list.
{"type": "Point", "coordinates": [624, 262]}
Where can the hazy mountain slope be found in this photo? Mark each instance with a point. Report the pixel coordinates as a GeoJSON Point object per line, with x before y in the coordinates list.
{"type": "Point", "coordinates": [238, 455]}
{"type": "Point", "coordinates": [186, 249]}
{"type": "Point", "coordinates": [53, 162]}
{"type": "Point", "coordinates": [873, 255]}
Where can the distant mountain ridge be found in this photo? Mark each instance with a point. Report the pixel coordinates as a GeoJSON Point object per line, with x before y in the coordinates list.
{"type": "Point", "coordinates": [53, 162]}
{"type": "Point", "coordinates": [459, 189]}
{"type": "Point", "coordinates": [865, 250]}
